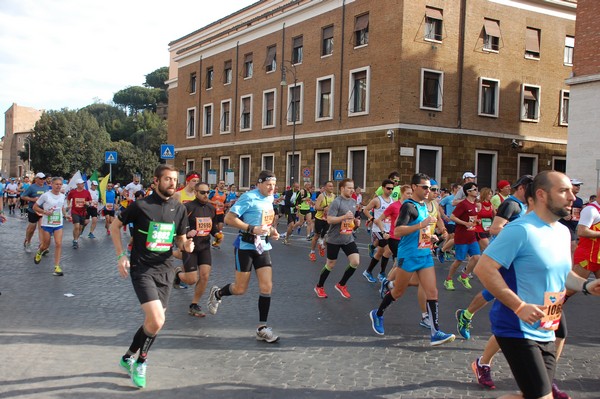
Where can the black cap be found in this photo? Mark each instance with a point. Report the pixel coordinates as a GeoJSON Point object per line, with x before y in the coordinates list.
{"type": "Point", "coordinates": [523, 181]}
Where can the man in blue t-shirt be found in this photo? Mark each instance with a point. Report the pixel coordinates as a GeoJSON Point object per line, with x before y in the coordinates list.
{"type": "Point", "coordinates": [447, 208]}
{"type": "Point", "coordinates": [528, 269]}
{"type": "Point", "coordinates": [253, 215]}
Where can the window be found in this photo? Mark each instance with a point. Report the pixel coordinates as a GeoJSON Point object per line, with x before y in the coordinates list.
{"type": "Point", "coordinates": [327, 41]}
{"type": "Point", "coordinates": [569, 48]}
{"type": "Point", "coordinates": [532, 43]}
{"type": "Point", "coordinates": [429, 161]}
{"type": "Point", "coordinates": [191, 123]}
{"type": "Point", "coordinates": [205, 168]}
{"type": "Point", "coordinates": [224, 163]}
{"type": "Point", "coordinates": [269, 108]}
{"type": "Point", "coordinates": [491, 36]}
{"type": "Point", "coordinates": [244, 171]}
{"type": "Point", "coordinates": [293, 167]}
{"type": "Point", "coordinates": [246, 113]}
{"type": "Point", "coordinates": [295, 103]}
{"type": "Point", "coordinates": [357, 165]}
{"type": "Point", "coordinates": [559, 164]}
{"type": "Point", "coordinates": [210, 74]}
{"type": "Point", "coordinates": [489, 93]}
{"type": "Point", "coordinates": [530, 103]}
{"type": "Point", "coordinates": [361, 30]}
{"type": "Point", "coordinates": [297, 50]}
{"type": "Point", "coordinates": [528, 165]}
{"type": "Point", "coordinates": [193, 83]}
{"type": "Point", "coordinates": [432, 88]}
{"type": "Point", "coordinates": [225, 116]}
{"type": "Point", "coordinates": [486, 168]}
{"type": "Point", "coordinates": [248, 66]}
{"type": "Point", "coordinates": [324, 98]}
{"type": "Point", "coordinates": [208, 120]}
{"type": "Point", "coordinates": [322, 167]}
{"type": "Point", "coordinates": [433, 24]}
{"type": "Point", "coordinates": [227, 73]}
{"type": "Point", "coordinates": [358, 103]}
{"type": "Point", "coordinates": [190, 164]}
{"type": "Point", "coordinates": [268, 162]}
{"type": "Point", "coordinates": [564, 107]}
{"type": "Point", "coordinates": [271, 60]}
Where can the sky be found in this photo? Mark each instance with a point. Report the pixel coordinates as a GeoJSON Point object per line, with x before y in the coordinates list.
{"type": "Point", "coordinates": [58, 54]}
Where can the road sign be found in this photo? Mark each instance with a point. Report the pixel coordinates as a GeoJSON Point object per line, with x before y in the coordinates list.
{"type": "Point", "coordinates": [110, 157]}
{"type": "Point", "coordinates": [306, 172]}
{"type": "Point", "coordinates": [167, 151]}
{"type": "Point", "coordinates": [338, 175]}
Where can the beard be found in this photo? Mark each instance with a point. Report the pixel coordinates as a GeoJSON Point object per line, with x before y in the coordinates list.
{"type": "Point", "coordinates": [557, 210]}
{"type": "Point", "coordinates": [166, 191]}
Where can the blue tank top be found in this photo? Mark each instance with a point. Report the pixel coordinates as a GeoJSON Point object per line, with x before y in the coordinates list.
{"type": "Point", "coordinates": [409, 245]}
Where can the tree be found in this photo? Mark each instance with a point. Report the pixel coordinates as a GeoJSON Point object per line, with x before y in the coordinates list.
{"type": "Point", "coordinates": [158, 78]}
{"type": "Point", "coordinates": [132, 160]}
{"type": "Point", "coordinates": [137, 98]}
{"type": "Point", "coordinates": [66, 141]}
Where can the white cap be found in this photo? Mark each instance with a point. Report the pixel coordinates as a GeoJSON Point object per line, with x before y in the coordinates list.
{"type": "Point", "coordinates": [94, 182]}
{"type": "Point", "coordinates": [40, 175]}
{"type": "Point", "coordinates": [576, 182]}
{"type": "Point", "coordinates": [79, 181]}
{"type": "Point", "coordinates": [469, 175]}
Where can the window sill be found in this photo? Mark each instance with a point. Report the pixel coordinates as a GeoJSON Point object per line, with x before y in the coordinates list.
{"type": "Point", "coordinates": [245, 129]}
{"type": "Point", "coordinates": [361, 46]}
{"type": "Point", "coordinates": [325, 118]}
{"type": "Point", "coordinates": [207, 134]}
{"type": "Point", "coordinates": [271, 71]}
{"type": "Point", "coordinates": [268, 126]}
{"type": "Point", "coordinates": [190, 137]}
{"type": "Point", "coordinates": [530, 120]}
{"type": "Point", "coordinates": [432, 40]}
{"type": "Point", "coordinates": [532, 57]}
{"type": "Point", "coordinates": [225, 132]}
{"type": "Point", "coordinates": [488, 115]}
{"type": "Point", "coordinates": [291, 123]}
{"type": "Point", "coordinates": [326, 55]}
{"type": "Point", "coordinates": [489, 50]}
{"type": "Point", "coordinates": [439, 109]}
{"type": "Point", "coordinates": [362, 113]}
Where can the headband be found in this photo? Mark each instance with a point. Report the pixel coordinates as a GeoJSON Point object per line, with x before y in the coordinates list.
{"type": "Point", "coordinates": [190, 177]}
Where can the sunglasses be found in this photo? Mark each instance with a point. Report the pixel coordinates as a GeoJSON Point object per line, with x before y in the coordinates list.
{"type": "Point", "coordinates": [389, 188]}
{"type": "Point", "coordinates": [433, 189]}
{"type": "Point", "coordinates": [472, 189]}
{"type": "Point", "coordinates": [202, 192]}
{"type": "Point", "coordinates": [424, 186]}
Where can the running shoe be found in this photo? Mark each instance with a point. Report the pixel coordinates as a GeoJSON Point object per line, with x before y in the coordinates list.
{"type": "Point", "coordinates": [425, 323]}
{"type": "Point", "coordinates": [196, 311]}
{"type": "Point", "coordinates": [381, 277]}
{"type": "Point", "coordinates": [91, 235]}
{"type": "Point", "coordinates": [465, 281]}
{"type": "Point", "coordinates": [266, 334]}
{"type": "Point", "coordinates": [383, 290]}
{"type": "Point", "coordinates": [440, 254]}
{"type": "Point", "coordinates": [320, 291]}
{"type": "Point", "coordinates": [449, 285]}
{"type": "Point", "coordinates": [299, 229]}
{"type": "Point", "coordinates": [216, 245]}
{"type": "Point", "coordinates": [463, 324]}
{"type": "Point", "coordinates": [557, 393]}
{"type": "Point", "coordinates": [138, 374]}
{"type": "Point", "coordinates": [38, 258]}
{"type": "Point", "coordinates": [369, 277]}
{"type": "Point", "coordinates": [440, 338]}
{"type": "Point", "coordinates": [45, 252]}
{"type": "Point", "coordinates": [376, 322]}
{"type": "Point", "coordinates": [483, 374]}
{"type": "Point", "coordinates": [371, 250]}
{"type": "Point", "coordinates": [321, 250]}
{"type": "Point", "coordinates": [127, 364]}
{"type": "Point", "coordinates": [342, 290]}
{"type": "Point", "coordinates": [75, 244]}
{"type": "Point", "coordinates": [310, 236]}
{"type": "Point", "coordinates": [213, 302]}
{"type": "Point", "coordinates": [57, 271]}
{"type": "Point", "coordinates": [285, 241]}
{"type": "Point", "coordinates": [107, 232]}
{"type": "Point", "coordinates": [27, 246]}
{"type": "Point", "coordinates": [313, 257]}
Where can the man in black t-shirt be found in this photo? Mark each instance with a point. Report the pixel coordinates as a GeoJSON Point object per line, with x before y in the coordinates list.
{"type": "Point", "coordinates": [157, 220]}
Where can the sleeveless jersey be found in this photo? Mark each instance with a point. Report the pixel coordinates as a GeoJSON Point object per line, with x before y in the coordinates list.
{"type": "Point", "coordinates": [433, 212]}
{"type": "Point", "coordinates": [589, 248]}
{"type": "Point", "coordinates": [415, 244]}
{"type": "Point", "coordinates": [219, 201]}
{"type": "Point", "coordinates": [379, 211]}
{"type": "Point", "coordinates": [327, 199]}
{"type": "Point", "coordinates": [185, 197]}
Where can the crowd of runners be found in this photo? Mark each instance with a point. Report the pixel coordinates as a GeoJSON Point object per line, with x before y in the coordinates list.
{"type": "Point", "coordinates": [532, 244]}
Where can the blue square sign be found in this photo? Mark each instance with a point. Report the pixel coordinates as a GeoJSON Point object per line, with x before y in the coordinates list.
{"type": "Point", "coordinates": [167, 151]}
{"type": "Point", "coordinates": [110, 157]}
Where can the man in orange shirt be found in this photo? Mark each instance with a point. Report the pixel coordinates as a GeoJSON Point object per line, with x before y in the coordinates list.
{"type": "Point", "coordinates": [217, 198]}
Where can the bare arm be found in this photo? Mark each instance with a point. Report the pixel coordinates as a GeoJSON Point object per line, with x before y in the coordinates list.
{"type": "Point", "coordinates": [584, 231]}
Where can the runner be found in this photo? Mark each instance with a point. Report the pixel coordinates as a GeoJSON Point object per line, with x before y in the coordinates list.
{"type": "Point", "coordinates": [23, 186]}
{"type": "Point", "coordinates": [253, 215]}
{"type": "Point", "coordinates": [413, 225]}
{"type": "Point", "coordinates": [157, 221]}
{"type": "Point", "coordinates": [92, 209]}
{"type": "Point", "coordinates": [188, 192]}
{"type": "Point", "coordinates": [446, 209]}
{"type": "Point", "coordinates": [78, 200]}
{"type": "Point", "coordinates": [31, 195]}
{"type": "Point", "coordinates": [341, 220]}
{"type": "Point", "coordinates": [129, 191]}
{"type": "Point", "coordinates": [572, 219]}
{"type": "Point", "coordinates": [12, 190]}
{"type": "Point", "coordinates": [527, 269]}
{"type": "Point", "coordinates": [52, 206]}
{"type": "Point", "coordinates": [289, 203]}
{"type": "Point", "coordinates": [504, 187]}
{"type": "Point", "coordinates": [322, 205]}
{"type": "Point", "coordinates": [379, 236]}
{"type": "Point", "coordinates": [110, 204]}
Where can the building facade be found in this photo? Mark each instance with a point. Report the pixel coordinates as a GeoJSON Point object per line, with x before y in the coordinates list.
{"type": "Point", "coordinates": [19, 122]}
{"type": "Point", "coordinates": [319, 90]}
{"type": "Point", "coordinates": [583, 154]}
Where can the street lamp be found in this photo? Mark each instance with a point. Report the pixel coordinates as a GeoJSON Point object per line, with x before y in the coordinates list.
{"type": "Point", "coordinates": [28, 140]}
{"type": "Point", "coordinates": [284, 71]}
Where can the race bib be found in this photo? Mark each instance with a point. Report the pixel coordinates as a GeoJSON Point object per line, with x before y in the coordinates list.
{"type": "Point", "coordinates": [54, 219]}
{"type": "Point", "coordinates": [553, 302]}
{"type": "Point", "coordinates": [486, 223]}
{"type": "Point", "coordinates": [203, 226]}
{"type": "Point", "coordinates": [79, 202]}
{"type": "Point", "coordinates": [347, 226]}
{"type": "Point", "coordinates": [425, 238]}
{"type": "Point", "coordinates": [110, 207]}
{"type": "Point", "coordinates": [576, 214]}
{"type": "Point", "coordinates": [268, 216]}
{"type": "Point", "coordinates": [472, 219]}
{"type": "Point", "coordinates": [160, 236]}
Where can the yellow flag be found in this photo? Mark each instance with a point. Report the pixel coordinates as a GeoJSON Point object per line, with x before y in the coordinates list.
{"type": "Point", "coordinates": [103, 184]}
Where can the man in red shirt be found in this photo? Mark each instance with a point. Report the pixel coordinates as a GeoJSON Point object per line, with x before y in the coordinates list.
{"type": "Point", "coordinates": [465, 240]}
{"type": "Point", "coordinates": [78, 201]}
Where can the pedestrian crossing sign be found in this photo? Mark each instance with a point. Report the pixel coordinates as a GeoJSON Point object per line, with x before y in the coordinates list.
{"type": "Point", "coordinates": [167, 151]}
{"type": "Point", "coordinates": [338, 175]}
{"type": "Point", "coordinates": [110, 157]}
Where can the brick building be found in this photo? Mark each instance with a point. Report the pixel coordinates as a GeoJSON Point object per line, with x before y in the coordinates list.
{"type": "Point", "coordinates": [366, 87]}
{"type": "Point", "coordinates": [583, 154]}
{"type": "Point", "coordinates": [19, 122]}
